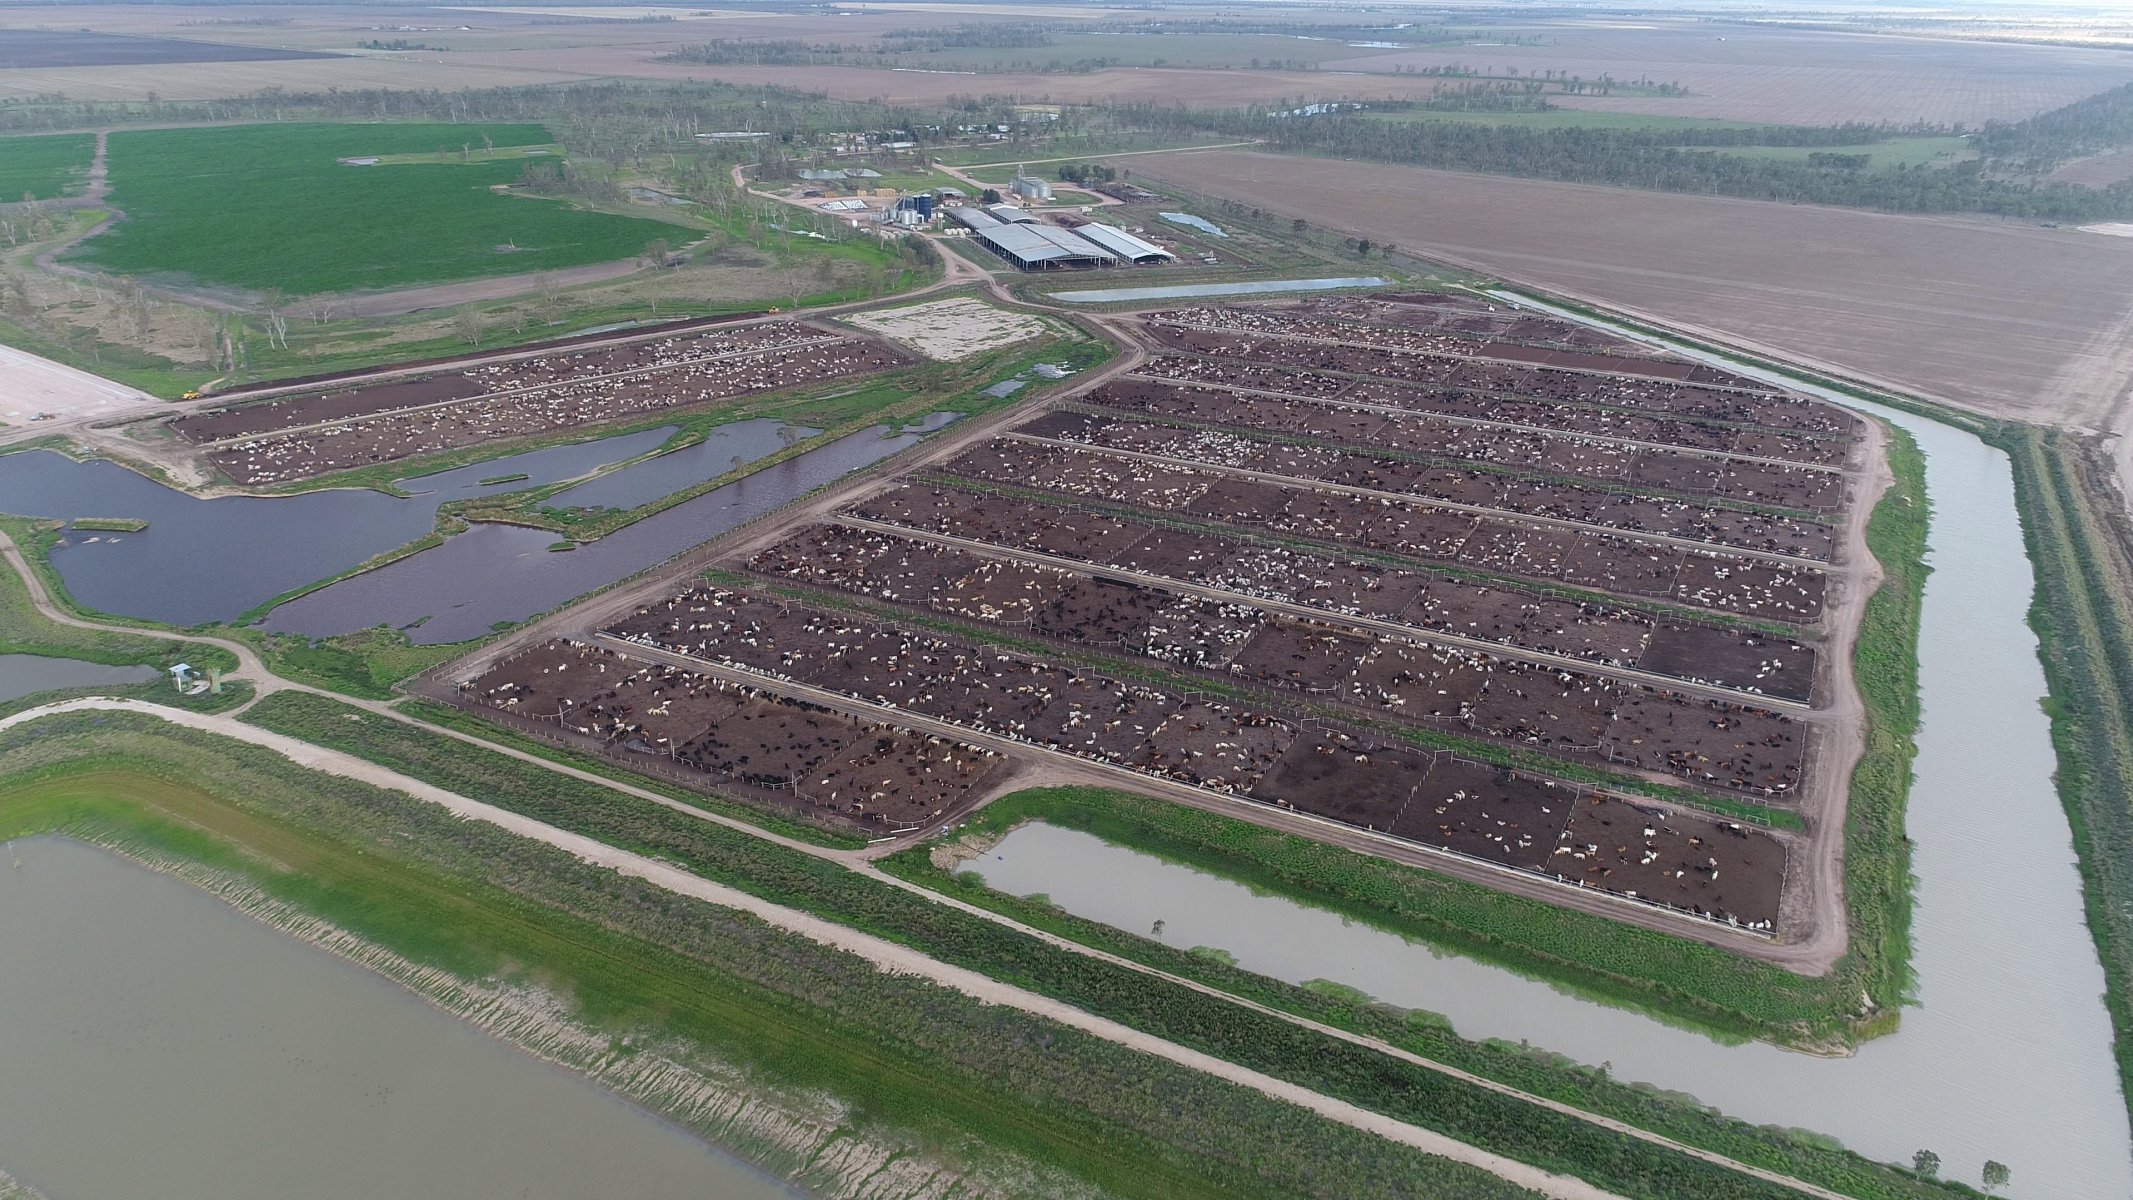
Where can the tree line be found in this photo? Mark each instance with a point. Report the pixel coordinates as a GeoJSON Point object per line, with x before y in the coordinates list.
{"type": "Point", "coordinates": [1673, 160]}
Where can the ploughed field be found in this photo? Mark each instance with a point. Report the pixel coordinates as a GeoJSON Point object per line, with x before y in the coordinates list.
{"type": "Point", "coordinates": [1391, 565]}
{"type": "Point", "coordinates": [345, 427]}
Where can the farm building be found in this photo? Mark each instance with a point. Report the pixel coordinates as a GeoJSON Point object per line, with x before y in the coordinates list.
{"type": "Point", "coordinates": [1030, 188]}
{"type": "Point", "coordinates": [1123, 244]}
{"type": "Point", "coordinates": [1032, 247]}
{"type": "Point", "coordinates": [1011, 214]}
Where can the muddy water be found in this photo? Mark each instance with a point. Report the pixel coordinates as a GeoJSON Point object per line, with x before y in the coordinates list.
{"type": "Point", "coordinates": [210, 560]}
{"type": "Point", "coordinates": [158, 1046]}
{"type": "Point", "coordinates": [2007, 1054]}
{"type": "Point", "coordinates": [502, 573]}
{"type": "Point", "coordinates": [22, 674]}
{"type": "Point", "coordinates": [722, 450]}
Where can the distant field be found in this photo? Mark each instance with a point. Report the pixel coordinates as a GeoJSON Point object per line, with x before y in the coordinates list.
{"type": "Point", "coordinates": [212, 81]}
{"type": "Point", "coordinates": [44, 167]}
{"type": "Point", "coordinates": [268, 206]}
{"type": "Point", "coordinates": [1894, 152]}
{"type": "Point", "coordinates": [1772, 75]}
{"type": "Point", "coordinates": [20, 48]}
{"type": "Point", "coordinates": [2025, 321]}
{"type": "Point", "coordinates": [1569, 118]}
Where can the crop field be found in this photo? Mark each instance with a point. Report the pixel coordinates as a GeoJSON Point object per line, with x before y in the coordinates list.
{"type": "Point", "coordinates": [1307, 606]}
{"type": "Point", "coordinates": [317, 433]}
{"type": "Point", "coordinates": [726, 737]}
{"type": "Point", "coordinates": [2017, 320]}
{"type": "Point", "coordinates": [263, 207]}
{"type": "Point", "coordinates": [44, 168]}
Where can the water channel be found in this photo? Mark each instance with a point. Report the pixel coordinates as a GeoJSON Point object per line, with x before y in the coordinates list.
{"type": "Point", "coordinates": [22, 674]}
{"type": "Point", "coordinates": [157, 1045]}
{"type": "Point", "coordinates": [2007, 1054]}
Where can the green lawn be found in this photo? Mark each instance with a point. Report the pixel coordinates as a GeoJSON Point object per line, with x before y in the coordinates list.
{"type": "Point", "coordinates": [269, 206]}
{"type": "Point", "coordinates": [44, 168]}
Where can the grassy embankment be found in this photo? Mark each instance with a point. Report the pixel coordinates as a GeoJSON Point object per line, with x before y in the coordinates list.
{"type": "Point", "coordinates": [1669, 976]}
{"type": "Point", "coordinates": [1209, 1023]}
{"type": "Point", "coordinates": [2078, 543]}
{"type": "Point", "coordinates": [45, 167]}
{"type": "Point", "coordinates": [987, 1090]}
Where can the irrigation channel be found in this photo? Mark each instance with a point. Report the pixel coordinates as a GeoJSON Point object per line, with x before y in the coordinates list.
{"type": "Point", "coordinates": [2007, 1054]}
{"type": "Point", "coordinates": [130, 998]}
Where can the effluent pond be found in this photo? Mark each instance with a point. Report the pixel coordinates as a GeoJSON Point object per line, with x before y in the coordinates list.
{"type": "Point", "coordinates": [158, 1045]}
{"type": "Point", "coordinates": [23, 674]}
{"type": "Point", "coordinates": [504, 573]}
{"type": "Point", "coordinates": [2007, 1053]}
{"type": "Point", "coordinates": [207, 560]}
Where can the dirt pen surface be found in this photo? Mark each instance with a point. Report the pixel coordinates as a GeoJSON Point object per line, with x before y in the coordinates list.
{"type": "Point", "coordinates": [315, 433]}
{"type": "Point", "coordinates": [2016, 320]}
{"type": "Point", "coordinates": [947, 330]}
{"type": "Point", "coordinates": [721, 737]}
{"type": "Point", "coordinates": [1569, 617]}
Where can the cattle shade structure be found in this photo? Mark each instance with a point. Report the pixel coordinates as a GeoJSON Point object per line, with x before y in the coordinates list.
{"type": "Point", "coordinates": [1042, 247]}
{"type": "Point", "coordinates": [974, 218]}
{"type": "Point", "coordinates": [1123, 244]}
{"type": "Point", "coordinates": [1012, 214]}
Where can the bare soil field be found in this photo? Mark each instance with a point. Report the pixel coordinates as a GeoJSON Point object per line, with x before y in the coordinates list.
{"type": "Point", "coordinates": [29, 49]}
{"type": "Point", "coordinates": [212, 81]}
{"type": "Point", "coordinates": [2016, 320]}
{"type": "Point", "coordinates": [1201, 88]}
{"type": "Point", "coordinates": [1791, 76]}
{"type": "Point", "coordinates": [2097, 170]}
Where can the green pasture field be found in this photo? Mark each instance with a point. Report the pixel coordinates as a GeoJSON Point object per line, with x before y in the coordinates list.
{"type": "Point", "coordinates": [44, 168]}
{"type": "Point", "coordinates": [1890, 152]}
{"type": "Point", "coordinates": [262, 207]}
